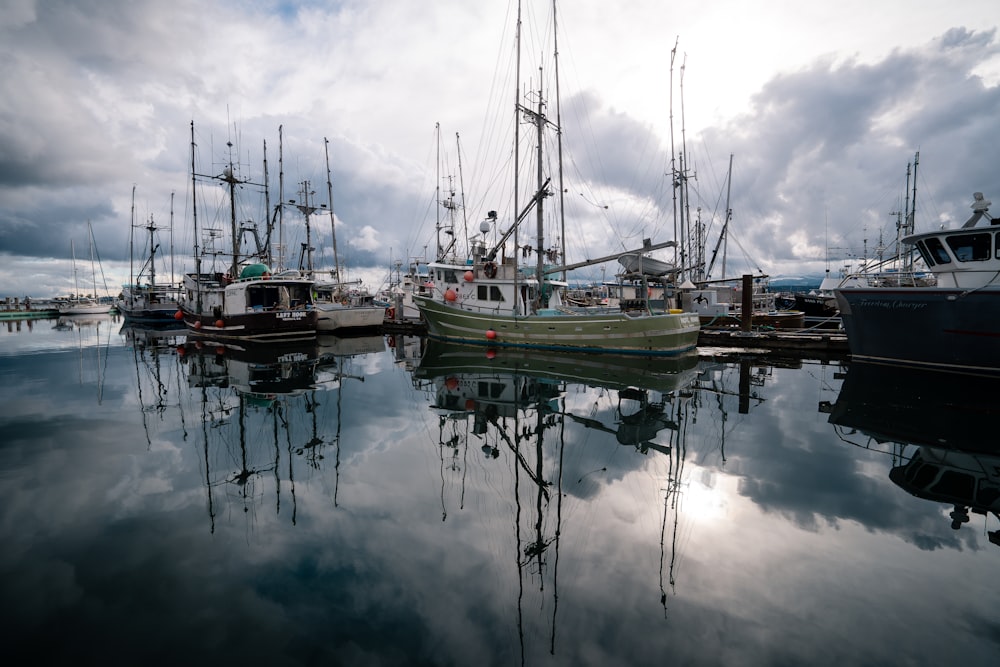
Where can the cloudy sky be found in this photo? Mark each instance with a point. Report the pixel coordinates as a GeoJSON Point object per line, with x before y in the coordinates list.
{"type": "Point", "coordinates": [822, 106]}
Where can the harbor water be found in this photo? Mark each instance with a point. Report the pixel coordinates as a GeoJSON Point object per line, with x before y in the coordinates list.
{"type": "Point", "coordinates": [389, 501]}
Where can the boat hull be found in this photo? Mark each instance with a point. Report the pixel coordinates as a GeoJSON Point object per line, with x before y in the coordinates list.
{"type": "Point", "coordinates": [94, 309]}
{"type": "Point", "coordinates": [619, 333]}
{"type": "Point", "coordinates": [260, 327]}
{"type": "Point", "coordinates": [946, 329]}
{"type": "Point", "coordinates": [336, 317]}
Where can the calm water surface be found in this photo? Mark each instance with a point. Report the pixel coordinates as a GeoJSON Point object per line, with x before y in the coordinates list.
{"type": "Point", "coordinates": [365, 503]}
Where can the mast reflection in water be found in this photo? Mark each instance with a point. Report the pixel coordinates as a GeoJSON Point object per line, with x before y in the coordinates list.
{"type": "Point", "coordinates": [394, 501]}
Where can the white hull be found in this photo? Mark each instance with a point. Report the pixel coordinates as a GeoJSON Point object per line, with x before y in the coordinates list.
{"type": "Point", "coordinates": [337, 317]}
{"type": "Point", "coordinates": [85, 309]}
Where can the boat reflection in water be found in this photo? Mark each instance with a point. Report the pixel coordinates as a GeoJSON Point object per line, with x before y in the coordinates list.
{"type": "Point", "coordinates": [522, 408]}
{"type": "Point", "coordinates": [945, 426]}
{"type": "Point", "coordinates": [260, 413]}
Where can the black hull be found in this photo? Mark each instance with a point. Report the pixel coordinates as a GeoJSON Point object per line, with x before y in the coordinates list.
{"type": "Point", "coordinates": [935, 328]}
{"type": "Point", "coordinates": [257, 327]}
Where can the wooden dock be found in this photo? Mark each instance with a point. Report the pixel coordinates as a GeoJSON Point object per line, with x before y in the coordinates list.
{"type": "Point", "coordinates": [827, 344]}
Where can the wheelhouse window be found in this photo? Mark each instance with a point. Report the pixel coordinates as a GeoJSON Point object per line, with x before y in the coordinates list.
{"type": "Point", "coordinates": [971, 247]}
{"type": "Point", "coordinates": [489, 293]}
{"type": "Point", "coordinates": [933, 251]}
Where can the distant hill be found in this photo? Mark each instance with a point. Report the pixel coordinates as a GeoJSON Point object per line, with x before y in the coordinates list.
{"type": "Point", "coordinates": [794, 283]}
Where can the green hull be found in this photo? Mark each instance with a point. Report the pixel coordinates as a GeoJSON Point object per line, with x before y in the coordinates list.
{"type": "Point", "coordinates": [618, 333]}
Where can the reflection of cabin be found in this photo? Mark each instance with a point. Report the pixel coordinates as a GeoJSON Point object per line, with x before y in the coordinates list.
{"type": "Point", "coordinates": [969, 482]}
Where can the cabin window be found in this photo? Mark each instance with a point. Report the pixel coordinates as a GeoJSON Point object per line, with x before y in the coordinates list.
{"type": "Point", "coordinates": [971, 247]}
{"type": "Point", "coordinates": [450, 276]}
{"type": "Point", "coordinates": [489, 293]}
{"type": "Point", "coordinates": [936, 251]}
{"type": "Point", "coordinates": [928, 259]}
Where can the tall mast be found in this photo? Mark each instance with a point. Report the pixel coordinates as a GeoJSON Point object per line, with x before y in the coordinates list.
{"type": "Point", "coordinates": [673, 157]}
{"type": "Point", "coordinates": [686, 211]}
{"type": "Point", "coordinates": [194, 215]}
{"type": "Point", "coordinates": [562, 189]}
{"type": "Point", "coordinates": [76, 281]}
{"type": "Point", "coordinates": [539, 179]}
{"type": "Point", "coordinates": [461, 186]}
{"type": "Point", "coordinates": [517, 126]}
{"type": "Point", "coordinates": [131, 243]}
{"type": "Point", "coordinates": [93, 270]}
{"type": "Point", "coordinates": [329, 197]}
{"type": "Point", "coordinates": [267, 211]}
{"type": "Point", "coordinates": [229, 177]}
{"type": "Point", "coordinates": [437, 190]}
{"type": "Point", "coordinates": [152, 252]}
{"type": "Point", "coordinates": [281, 198]}
{"type": "Point", "coordinates": [172, 238]}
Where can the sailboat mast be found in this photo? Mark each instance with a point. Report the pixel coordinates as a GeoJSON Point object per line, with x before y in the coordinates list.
{"type": "Point", "coordinates": [93, 270]}
{"type": "Point", "coordinates": [329, 197]}
{"type": "Point", "coordinates": [76, 281]}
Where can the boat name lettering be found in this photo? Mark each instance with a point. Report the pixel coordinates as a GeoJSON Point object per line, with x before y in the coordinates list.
{"type": "Point", "coordinates": [292, 315]}
{"type": "Point", "coordinates": [891, 304]}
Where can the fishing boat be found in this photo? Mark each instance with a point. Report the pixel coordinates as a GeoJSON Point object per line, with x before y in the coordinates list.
{"type": "Point", "coordinates": [342, 307]}
{"type": "Point", "coordinates": [487, 297]}
{"type": "Point", "coordinates": [79, 304]}
{"type": "Point", "coordinates": [142, 300]}
{"type": "Point", "coordinates": [952, 326]}
{"type": "Point", "coordinates": [243, 302]}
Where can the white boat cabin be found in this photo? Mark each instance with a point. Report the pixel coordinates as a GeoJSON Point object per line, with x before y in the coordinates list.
{"type": "Point", "coordinates": [964, 258]}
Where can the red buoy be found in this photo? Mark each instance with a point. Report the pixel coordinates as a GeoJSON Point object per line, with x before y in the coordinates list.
{"type": "Point", "coordinates": [178, 315]}
{"type": "Point", "coordinates": [469, 275]}
{"type": "Point", "coordinates": [450, 295]}
{"type": "Point", "coordinates": [219, 324]}
{"type": "Point", "coordinates": [491, 334]}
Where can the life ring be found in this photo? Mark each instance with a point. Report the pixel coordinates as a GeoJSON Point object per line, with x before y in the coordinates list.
{"type": "Point", "coordinates": [490, 269]}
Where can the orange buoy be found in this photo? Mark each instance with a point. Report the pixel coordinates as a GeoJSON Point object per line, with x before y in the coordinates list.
{"type": "Point", "coordinates": [450, 295]}
{"type": "Point", "coordinates": [219, 323]}
{"type": "Point", "coordinates": [451, 383]}
{"type": "Point", "coordinates": [469, 276]}
{"type": "Point", "coordinates": [178, 315]}
{"type": "Point", "coordinates": [491, 334]}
